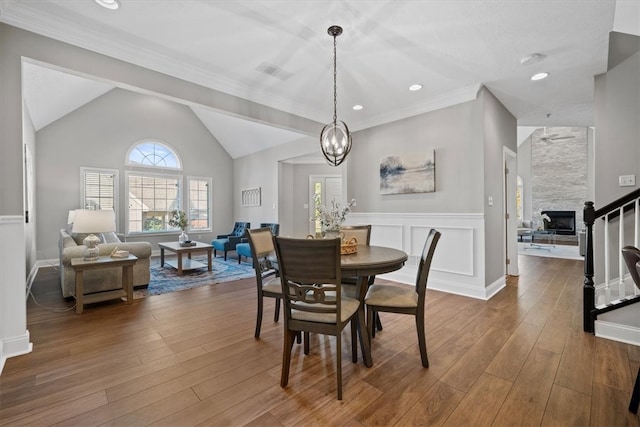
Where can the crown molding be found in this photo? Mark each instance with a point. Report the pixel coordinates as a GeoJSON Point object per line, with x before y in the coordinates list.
{"type": "Point", "coordinates": [24, 16]}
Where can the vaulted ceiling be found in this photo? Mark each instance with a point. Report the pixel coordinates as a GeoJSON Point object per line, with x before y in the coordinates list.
{"type": "Point", "coordinates": [278, 53]}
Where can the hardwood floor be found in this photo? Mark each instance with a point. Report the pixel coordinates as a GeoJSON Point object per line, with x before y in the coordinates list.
{"type": "Point", "coordinates": [189, 358]}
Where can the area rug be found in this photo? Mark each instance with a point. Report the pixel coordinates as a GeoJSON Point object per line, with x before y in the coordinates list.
{"type": "Point", "coordinates": [550, 251]}
{"type": "Point", "coordinates": [166, 279]}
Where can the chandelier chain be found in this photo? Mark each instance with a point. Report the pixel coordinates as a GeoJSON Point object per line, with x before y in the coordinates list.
{"type": "Point", "coordinates": [335, 86]}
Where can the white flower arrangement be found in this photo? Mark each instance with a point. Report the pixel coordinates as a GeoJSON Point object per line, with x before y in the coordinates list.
{"type": "Point", "coordinates": [332, 219]}
{"type": "Point", "coordinates": [179, 220]}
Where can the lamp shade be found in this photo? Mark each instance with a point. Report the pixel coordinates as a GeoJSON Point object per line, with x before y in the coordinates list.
{"type": "Point", "coordinates": [71, 216]}
{"type": "Point", "coordinates": [93, 221]}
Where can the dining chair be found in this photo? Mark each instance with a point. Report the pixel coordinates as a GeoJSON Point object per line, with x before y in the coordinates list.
{"type": "Point", "coordinates": [405, 299]}
{"type": "Point", "coordinates": [362, 233]}
{"type": "Point", "coordinates": [631, 256]}
{"type": "Point", "coordinates": [267, 277]}
{"type": "Point", "coordinates": [313, 301]}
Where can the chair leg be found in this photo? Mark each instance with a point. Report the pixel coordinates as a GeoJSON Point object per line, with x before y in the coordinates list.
{"type": "Point", "coordinates": [378, 322]}
{"type": "Point", "coordinates": [422, 342]}
{"type": "Point", "coordinates": [225, 255]}
{"type": "Point", "coordinates": [276, 315]}
{"type": "Point", "coordinates": [239, 258]}
{"type": "Point", "coordinates": [635, 396]}
{"type": "Point", "coordinates": [214, 253]}
{"type": "Point", "coordinates": [339, 364]}
{"type": "Point", "coordinates": [354, 341]}
{"type": "Point", "coordinates": [365, 338]}
{"type": "Point", "coordinates": [286, 356]}
{"type": "Point", "coordinates": [306, 343]}
{"type": "Point", "coordinates": [259, 316]}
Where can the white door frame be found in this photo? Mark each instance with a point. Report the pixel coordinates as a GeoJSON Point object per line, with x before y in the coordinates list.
{"type": "Point", "coordinates": [509, 188]}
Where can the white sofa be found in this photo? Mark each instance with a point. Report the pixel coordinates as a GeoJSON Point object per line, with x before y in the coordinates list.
{"type": "Point", "coordinates": [70, 246]}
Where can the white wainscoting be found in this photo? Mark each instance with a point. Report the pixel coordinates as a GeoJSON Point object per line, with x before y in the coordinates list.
{"type": "Point", "coordinates": [458, 263]}
{"type": "Point", "coordinates": [14, 336]}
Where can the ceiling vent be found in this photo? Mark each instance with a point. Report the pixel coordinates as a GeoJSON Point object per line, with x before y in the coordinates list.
{"type": "Point", "coordinates": [274, 70]}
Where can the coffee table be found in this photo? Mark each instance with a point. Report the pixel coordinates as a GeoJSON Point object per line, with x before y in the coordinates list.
{"type": "Point", "coordinates": [181, 264]}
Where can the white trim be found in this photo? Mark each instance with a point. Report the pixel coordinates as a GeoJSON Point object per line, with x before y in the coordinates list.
{"type": "Point", "coordinates": [458, 265]}
{"type": "Point", "coordinates": [14, 336]}
{"type": "Point", "coordinates": [617, 332]}
{"type": "Point", "coordinates": [209, 181]}
{"type": "Point", "coordinates": [157, 141]}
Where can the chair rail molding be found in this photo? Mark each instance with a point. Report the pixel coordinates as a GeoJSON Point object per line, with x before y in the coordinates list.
{"type": "Point", "coordinates": [458, 265]}
{"type": "Point", "coordinates": [14, 336]}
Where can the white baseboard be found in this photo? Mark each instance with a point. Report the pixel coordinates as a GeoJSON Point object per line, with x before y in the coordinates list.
{"type": "Point", "coordinates": [617, 332]}
{"type": "Point", "coordinates": [15, 346]}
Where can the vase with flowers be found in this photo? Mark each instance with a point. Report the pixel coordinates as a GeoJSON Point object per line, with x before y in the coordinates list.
{"type": "Point", "coordinates": [331, 219]}
{"type": "Point", "coordinates": [179, 220]}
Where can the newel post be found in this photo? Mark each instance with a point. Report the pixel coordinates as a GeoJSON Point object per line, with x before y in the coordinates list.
{"type": "Point", "coordinates": [588, 302]}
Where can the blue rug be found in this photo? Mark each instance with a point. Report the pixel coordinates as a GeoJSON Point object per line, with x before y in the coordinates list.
{"type": "Point", "coordinates": [166, 279]}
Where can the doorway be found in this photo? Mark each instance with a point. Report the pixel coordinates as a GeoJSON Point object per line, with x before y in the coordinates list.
{"type": "Point", "coordinates": [324, 188]}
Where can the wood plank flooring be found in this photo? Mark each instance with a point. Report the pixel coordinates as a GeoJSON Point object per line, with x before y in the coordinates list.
{"type": "Point", "coordinates": [189, 358]}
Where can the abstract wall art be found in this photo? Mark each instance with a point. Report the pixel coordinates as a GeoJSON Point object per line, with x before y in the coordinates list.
{"type": "Point", "coordinates": [408, 173]}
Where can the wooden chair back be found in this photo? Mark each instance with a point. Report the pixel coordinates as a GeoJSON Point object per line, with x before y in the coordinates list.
{"type": "Point", "coordinates": [310, 276]}
{"type": "Point", "coordinates": [362, 233]}
{"type": "Point", "coordinates": [631, 256]}
{"type": "Point", "coordinates": [425, 265]}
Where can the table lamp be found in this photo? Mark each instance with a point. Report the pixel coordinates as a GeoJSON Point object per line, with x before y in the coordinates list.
{"type": "Point", "coordinates": [93, 221]}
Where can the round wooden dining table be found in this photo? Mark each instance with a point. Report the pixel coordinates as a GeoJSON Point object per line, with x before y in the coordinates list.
{"type": "Point", "coordinates": [366, 262]}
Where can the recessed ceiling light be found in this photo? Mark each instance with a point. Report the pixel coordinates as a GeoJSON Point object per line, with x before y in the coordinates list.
{"type": "Point", "coordinates": [415, 87]}
{"type": "Point", "coordinates": [357, 107]}
{"type": "Point", "coordinates": [109, 4]}
{"type": "Point", "coordinates": [539, 76]}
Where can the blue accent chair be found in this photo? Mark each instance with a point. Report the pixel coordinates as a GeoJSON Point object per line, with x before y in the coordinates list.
{"type": "Point", "coordinates": [228, 242]}
{"type": "Point", "coordinates": [243, 249]}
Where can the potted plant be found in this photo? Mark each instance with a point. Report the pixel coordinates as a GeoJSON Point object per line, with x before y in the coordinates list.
{"type": "Point", "coordinates": [179, 220]}
{"type": "Point", "coordinates": [331, 219]}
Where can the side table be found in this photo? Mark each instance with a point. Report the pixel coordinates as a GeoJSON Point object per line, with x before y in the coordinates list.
{"type": "Point", "coordinates": [80, 266]}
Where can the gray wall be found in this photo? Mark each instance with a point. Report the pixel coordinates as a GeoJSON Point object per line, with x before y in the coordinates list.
{"type": "Point", "coordinates": [265, 169]}
{"type": "Point", "coordinates": [99, 134]}
{"type": "Point", "coordinates": [498, 130]}
{"type": "Point", "coordinates": [616, 147]}
{"type": "Point", "coordinates": [455, 133]}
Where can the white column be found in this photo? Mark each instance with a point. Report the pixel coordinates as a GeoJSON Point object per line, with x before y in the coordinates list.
{"type": "Point", "coordinates": [14, 336]}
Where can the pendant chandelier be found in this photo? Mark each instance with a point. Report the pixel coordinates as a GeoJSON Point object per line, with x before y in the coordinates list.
{"type": "Point", "coordinates": [335, 139]}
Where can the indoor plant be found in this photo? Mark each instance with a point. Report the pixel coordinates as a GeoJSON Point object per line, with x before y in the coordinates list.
{"type": "Point", "coordinates": [331, 219]}
{"type": "Point", "coordinates": [179, 220]}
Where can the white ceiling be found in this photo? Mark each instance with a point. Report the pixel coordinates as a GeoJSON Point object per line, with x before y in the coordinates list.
{"type": "Point", "coordinates": [451, 47]}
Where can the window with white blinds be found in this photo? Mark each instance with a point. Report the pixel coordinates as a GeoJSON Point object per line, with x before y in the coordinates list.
{"type": "Point", "coordinates": [99, 188]}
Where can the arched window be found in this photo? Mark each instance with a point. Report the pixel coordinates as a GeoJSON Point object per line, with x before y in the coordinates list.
{"type": "Point", "coordinates": [155, 192]}
{"type": "Point", "coordinates": [153, 154]}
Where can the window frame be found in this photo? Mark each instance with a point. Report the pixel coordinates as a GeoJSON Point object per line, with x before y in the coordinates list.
{"type": "Point", "coordinates": [178, 177]}
{"type": "Point", "coordinates": [168, 147]}
{"type": "Point", "coordinates": [209, 183]}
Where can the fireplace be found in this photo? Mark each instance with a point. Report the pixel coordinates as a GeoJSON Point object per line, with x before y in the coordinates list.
{"type": "Point", "coordinates": [562, 222]}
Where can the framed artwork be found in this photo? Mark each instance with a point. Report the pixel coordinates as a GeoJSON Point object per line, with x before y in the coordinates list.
{"type": "Point", "coordinates": [252, 197]}
{"type": "Point", "coordinates": [410, 173]}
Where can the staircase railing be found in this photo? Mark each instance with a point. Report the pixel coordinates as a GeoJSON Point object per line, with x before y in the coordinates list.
{"type": "Point", "coordinates": [621, 208]}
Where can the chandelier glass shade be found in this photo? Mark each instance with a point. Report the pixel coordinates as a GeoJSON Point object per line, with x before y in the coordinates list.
{"type": "Point", "coordinates": [335, 139]}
